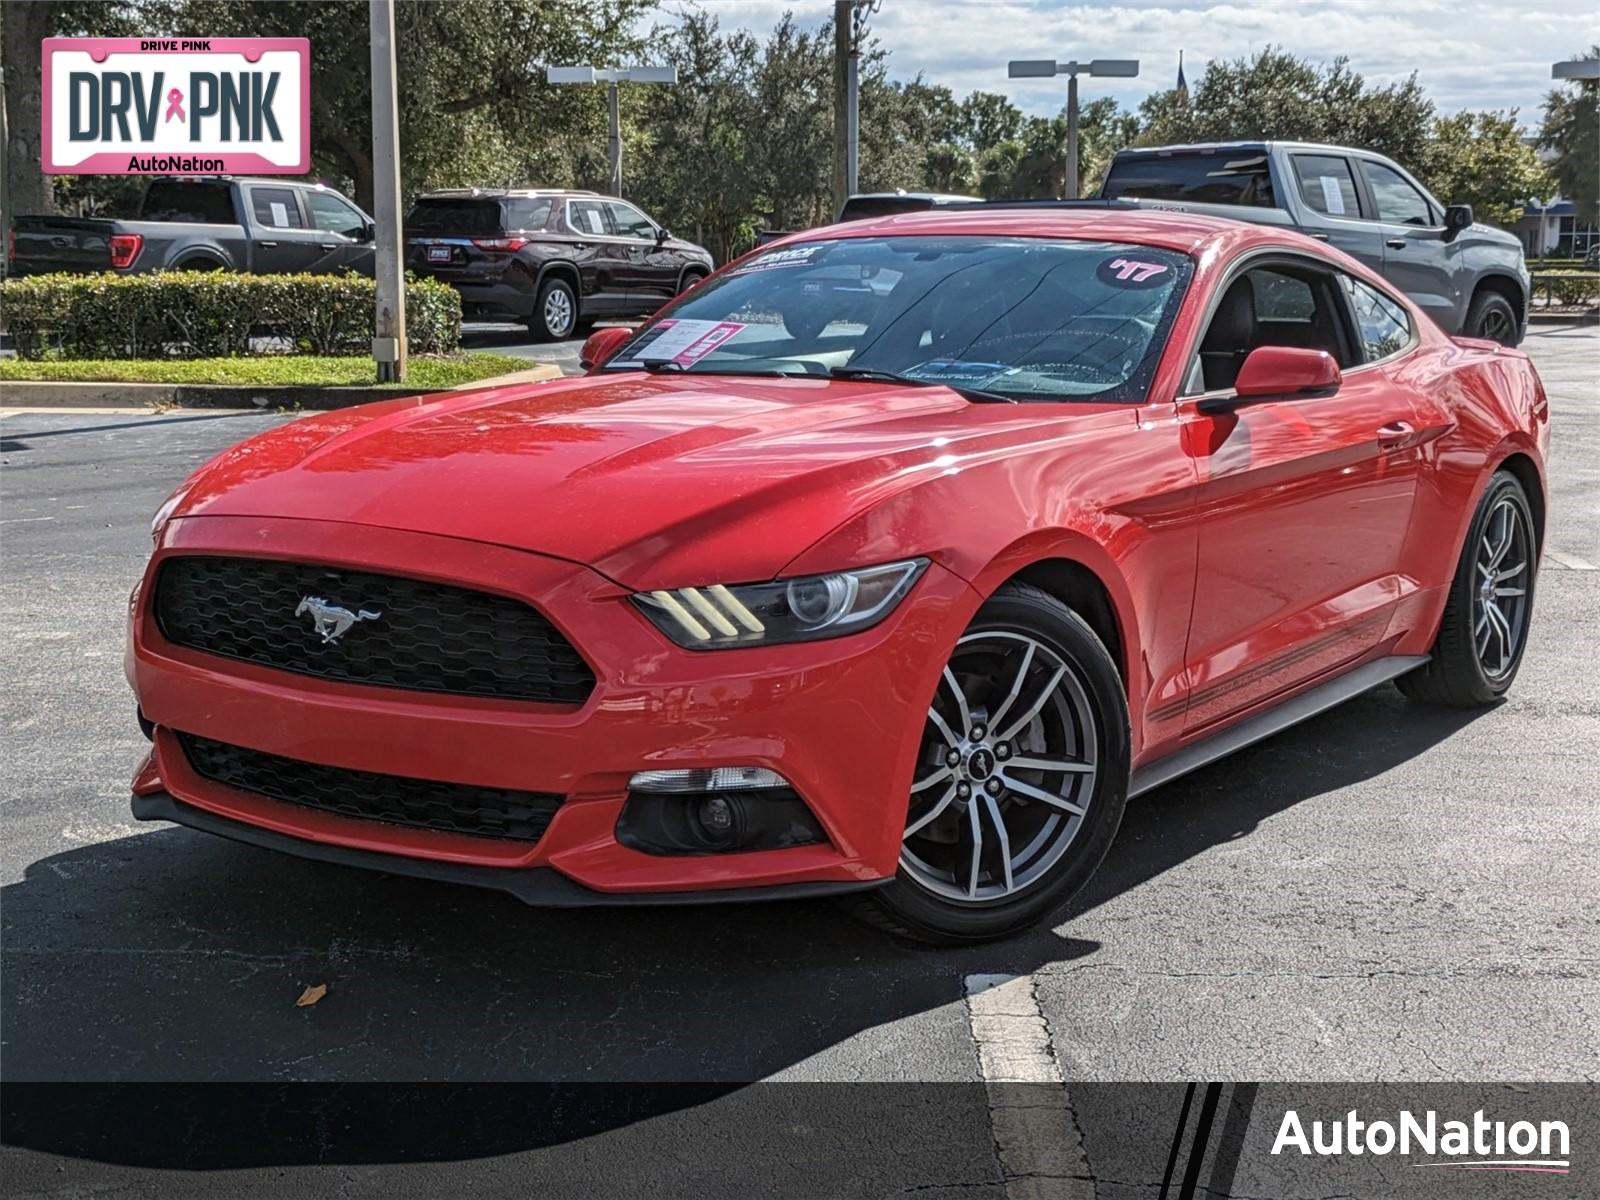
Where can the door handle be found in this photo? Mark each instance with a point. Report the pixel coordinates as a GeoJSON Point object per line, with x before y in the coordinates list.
{"type": "Point", "coordinates": [1321, 237]}
{"type": "Point", "coordinates": [270, 245]}
{"type": "Point", "coordinates": [1395, 434]}
{"type": "Point", "coordinates": [1395, 243]}
{"type": "Point", "coordinates": [329, 245]}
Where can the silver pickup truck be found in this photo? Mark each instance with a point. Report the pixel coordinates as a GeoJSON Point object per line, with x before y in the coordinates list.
{"type": "Point", "coordinates": [267, 226]}
{"type": "Point", "coordinates": [1470, 278]}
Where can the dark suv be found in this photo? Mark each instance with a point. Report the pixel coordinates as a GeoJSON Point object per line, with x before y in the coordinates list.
{"type": "Point", "coordinates": [558, 260]}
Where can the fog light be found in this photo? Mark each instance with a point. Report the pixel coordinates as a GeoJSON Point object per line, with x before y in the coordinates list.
{"type": "Point", "coordinates": [714, 810]}
{"type": "Point", "coordinates": [721, 820]}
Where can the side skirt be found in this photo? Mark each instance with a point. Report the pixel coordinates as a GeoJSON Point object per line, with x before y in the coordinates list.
{"type": "Point", "coordinates": [1275, 720]}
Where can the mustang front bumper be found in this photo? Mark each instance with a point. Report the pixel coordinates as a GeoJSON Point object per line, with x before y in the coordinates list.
{"type": "Point", "coordinates": [839, 719]}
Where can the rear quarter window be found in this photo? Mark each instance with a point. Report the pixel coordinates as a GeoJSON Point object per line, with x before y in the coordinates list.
{"type": "Point", "coordinates": [1242, 178]}
{"type": "Point", "coordinates": [448, 217]}
{"type": "Point", "coordinates": [199, 201]}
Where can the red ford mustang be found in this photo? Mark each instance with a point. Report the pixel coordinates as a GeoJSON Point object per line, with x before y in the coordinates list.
{"type": "Point", "coordinates": [890, 560]}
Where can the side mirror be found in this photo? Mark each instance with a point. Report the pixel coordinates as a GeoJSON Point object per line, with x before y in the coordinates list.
{"type": "Point", "coordinates": [662, 234]}
{"type": "Point", "coordinates": [1456, 218]}
{"type": "Point", "coordinates": [367, 233]}
{"type": "Point", "coordinates": [602, 344]}
{"type": "Point", "coordinates": [1279, 373]}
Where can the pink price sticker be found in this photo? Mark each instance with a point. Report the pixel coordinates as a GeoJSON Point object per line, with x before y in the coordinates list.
{"type": "Point", "coordinates": [685, 342]}
{"type": "Point", "coordinates": [192, 106]}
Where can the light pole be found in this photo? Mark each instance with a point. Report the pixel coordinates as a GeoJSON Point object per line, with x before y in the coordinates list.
{"type": "Point", "coordinates": [1576, 69]}
{"type": "Point", "coordinates": [1035, 68]}
{"type": "Point", "coordinates": [612, 77]}
{"type": "Point", "coordinates": [389, 323]}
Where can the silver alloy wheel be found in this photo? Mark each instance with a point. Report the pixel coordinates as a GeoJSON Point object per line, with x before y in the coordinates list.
{"type": "Point", "coordinates": [1006, 771]}
{"type": "Point", "coordinates": [558, 315]}
{"type": "Point", "coordinates": [1500, 599]}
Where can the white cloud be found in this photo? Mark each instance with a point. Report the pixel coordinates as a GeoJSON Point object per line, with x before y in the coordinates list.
{"type": "Point", "coordinates": [1466, 54]}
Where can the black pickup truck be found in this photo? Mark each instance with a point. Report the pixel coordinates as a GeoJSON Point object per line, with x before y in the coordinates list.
{"type": "Point", "coordinates": [267, 226]}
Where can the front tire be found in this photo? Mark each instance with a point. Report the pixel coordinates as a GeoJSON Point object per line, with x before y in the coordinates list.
{"type": "Point", "coordinates": [1021, 777]}
{"type": "Point", "coordinates": [1486, 618]}
{"type": "Point", "coordinates": [555, 313]}
{"type": "Point", "coordinates": [1491, 316]}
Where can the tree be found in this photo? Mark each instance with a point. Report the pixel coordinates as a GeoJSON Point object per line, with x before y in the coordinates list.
{"type": "Point", "coordinates": [1274, 95]}
{"type": "Point", "coordinates": [472, 94]}
{"type": "Point", "coordinates": [1572, 131]}
{"type": "Point", "coordinates": [987, 119]}
{"type": "Point", "coordinates": [1479, 158]}
{"type": "Point", "coordinates": [22, 27]}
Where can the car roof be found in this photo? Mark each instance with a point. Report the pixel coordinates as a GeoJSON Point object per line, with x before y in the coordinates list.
{"type": "Point", "coordinates": [1255, 146]}
{"type": "Point", "coordinates": [1187, 233]}
{"type": "Point", "coordinates": [936, 197]}
{"type": "Point", "coordinates": [498, 193]}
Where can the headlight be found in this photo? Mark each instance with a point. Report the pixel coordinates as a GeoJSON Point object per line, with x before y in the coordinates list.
{"type": "Point", "coordinates": [164, 513]}
{"type": "Point", "coordinates": [789, 610]}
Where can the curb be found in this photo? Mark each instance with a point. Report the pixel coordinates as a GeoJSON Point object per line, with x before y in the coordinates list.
{"type": "Point", "coordinates": [1592, 317]}
{"type": "Point", "coordinates": [52, 394]}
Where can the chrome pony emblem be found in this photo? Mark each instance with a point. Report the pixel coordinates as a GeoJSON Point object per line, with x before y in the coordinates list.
{"type": "Point", "coordinates": [329, 620]}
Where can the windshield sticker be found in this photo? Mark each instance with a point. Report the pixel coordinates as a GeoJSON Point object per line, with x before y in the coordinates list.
{"type": "Point", "coordinates": [682, 342]}
{"type": "Point", "coordinates": [1132, 272]}
{"type": "Point", "coordinates": [798, 256]}
{"type": "Point", "coordinates": [1332, 197]}
{"type": "Point", "coordinates": [954, 370]}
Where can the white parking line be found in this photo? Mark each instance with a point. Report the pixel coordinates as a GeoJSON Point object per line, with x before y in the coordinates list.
{"type": "Point", "coordinates": [1036, 1135]}
{"type": "Point", "coordinates": [1570, 561]}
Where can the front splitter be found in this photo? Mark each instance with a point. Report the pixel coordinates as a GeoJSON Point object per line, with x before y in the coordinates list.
{"type": "Point", "coordinates": [543, 887]}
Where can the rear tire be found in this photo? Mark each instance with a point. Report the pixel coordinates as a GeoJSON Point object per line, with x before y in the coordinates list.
{"type": "Point", "coordinates": [1021, 779]}
{"type": "Point", "coordinates": [1491, 316]}
{"type": "Point", "coordinates": [1489, 611]}
{"type": "Point", "coordinates": [555, 313]}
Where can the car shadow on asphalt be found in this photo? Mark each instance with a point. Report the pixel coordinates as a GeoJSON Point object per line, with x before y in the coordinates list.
{"type": "Point", "coordinates": [171, 955]}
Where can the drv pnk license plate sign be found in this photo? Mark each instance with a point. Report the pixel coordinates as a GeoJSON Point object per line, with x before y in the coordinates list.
{"type": "Point", "coordinates": [160, 106]}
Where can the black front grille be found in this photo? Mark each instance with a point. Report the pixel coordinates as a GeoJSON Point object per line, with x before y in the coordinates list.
{"type": "Point", "coordinates": [426, 637]}
{"type": "Point", "coordinates": [396, 799]}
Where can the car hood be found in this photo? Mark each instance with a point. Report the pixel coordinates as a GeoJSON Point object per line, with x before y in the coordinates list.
{"type": "Point", "coordinates": [652, 481]}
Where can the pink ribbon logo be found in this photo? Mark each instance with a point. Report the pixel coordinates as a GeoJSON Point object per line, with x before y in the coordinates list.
{"type": "Point", "coordinates": [175, 105]}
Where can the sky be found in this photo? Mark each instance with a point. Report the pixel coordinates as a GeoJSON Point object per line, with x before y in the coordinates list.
{"type": "Point", "coordinates": [1465, 54]}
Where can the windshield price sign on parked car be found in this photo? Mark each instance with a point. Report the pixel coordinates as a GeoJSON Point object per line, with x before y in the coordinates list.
{"type": "Point", "coordinates": [146, 106]}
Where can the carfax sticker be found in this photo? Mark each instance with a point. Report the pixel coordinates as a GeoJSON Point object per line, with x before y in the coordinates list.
{"type": "Point", "coordinates": [682, 342]}
{"type": "Point", "coordinates": [797, 256]}
{"type": "Point", "coordinates": [1132, 272]}
{"type": "Point", "coordinates": [955, 370]}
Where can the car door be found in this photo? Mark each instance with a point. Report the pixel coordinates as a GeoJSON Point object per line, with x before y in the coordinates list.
{"type": "Point", "coordinates": [282, 241]}
{"type": "Point", "coordinates": [343, 226]}
{"type": "Point", "coordinates": [1330, 199]}
{"type": "Point", "coordinates": [604, 260]}
{"type": "Point", "coordinates": [1303, 504]}
{"type": "Point", "coordinates": [1416, 257]}
{"type": "Point", "coordinates": [654, 278]}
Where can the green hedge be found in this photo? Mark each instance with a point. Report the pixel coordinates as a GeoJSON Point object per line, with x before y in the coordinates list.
{"type": "Point", "coordinates": [194, 314]}
{"type": "Point", "coordinates": [1568, 288]}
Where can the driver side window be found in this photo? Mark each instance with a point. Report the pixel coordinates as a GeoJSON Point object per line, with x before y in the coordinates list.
{"type": "Point", "coordinates": [1282, 304]}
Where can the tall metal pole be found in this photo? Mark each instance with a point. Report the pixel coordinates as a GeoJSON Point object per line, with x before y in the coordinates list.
{"type": "Point", "coordinates": [389, 340]}
{"type": "Point", "coordinates": [1072, 137]}
{"type": "Point", "coordinates": [852, 116]}
{"type": "Point", "coordinates": [5, 173]}
{"type": "Point", "coordinates": [614, 127]}
{"type": "Point", "coordinates": [842, 17]}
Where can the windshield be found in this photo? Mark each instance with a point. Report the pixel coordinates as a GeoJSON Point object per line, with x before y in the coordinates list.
{"type": "Point", "coordinates": [1027, 319]}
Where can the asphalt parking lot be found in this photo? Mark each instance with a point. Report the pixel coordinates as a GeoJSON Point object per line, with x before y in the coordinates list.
{"type": "Point", "coordinates": [1387, 892]}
